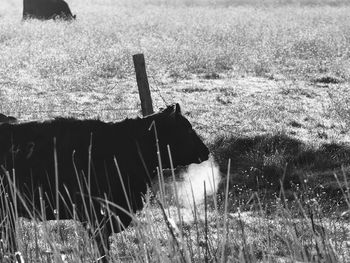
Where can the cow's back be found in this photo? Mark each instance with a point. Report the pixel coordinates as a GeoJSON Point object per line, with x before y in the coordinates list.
{"type": "Point", "coordinates": [29, 149]}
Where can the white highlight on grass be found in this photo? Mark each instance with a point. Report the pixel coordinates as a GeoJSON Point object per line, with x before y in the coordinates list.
{"type": "Point", "coordinates": [191, 188]}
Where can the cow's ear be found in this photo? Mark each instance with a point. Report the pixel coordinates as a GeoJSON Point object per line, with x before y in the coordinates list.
{"type": "Point", "coordinates": [177, 109]}
{"type": "Point", "coordinates": [172, 111]}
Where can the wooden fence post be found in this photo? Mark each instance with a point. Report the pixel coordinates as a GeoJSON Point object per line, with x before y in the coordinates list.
{"type": "Point", "coordinates": [142, 84]}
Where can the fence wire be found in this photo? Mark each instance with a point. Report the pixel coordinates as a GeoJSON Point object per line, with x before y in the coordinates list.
{"type": "Point", "coordinates": [40, 105]}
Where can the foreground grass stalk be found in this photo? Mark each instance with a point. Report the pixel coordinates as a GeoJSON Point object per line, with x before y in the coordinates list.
{"type": "Point", "coordinates": [223, 246]}
{"type": "Point", "coordinates": [56, 180]}
{"type": "Point", "coordinates": [89, 173]}
{"type": "Point", "coordinates": [215, 196]}
{"type": "Point", "coordinates": [161, 186]}
{"type": "Point", "coordinates": [194, 211]}
{"type": "Point", "coordinates": [206, 224]}
{"type": "Point", "coordinates": [346, 193]}
{"type": "Point", "coordinates": [176, 193]}
{"type": "Point", "coordinates": [87, 214]}
{"type": "Point", "coordinates": [123, 185]}
{"type": "Point", "coordinates": [160, 167]}
{"type": "Point", "coordinates": [178, 245]}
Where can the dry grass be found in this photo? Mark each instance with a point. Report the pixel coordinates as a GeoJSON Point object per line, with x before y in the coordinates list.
{"type": "Point", "coordinates": [279, 231]}
{"type": "Point", "coordinates": [48, 60]}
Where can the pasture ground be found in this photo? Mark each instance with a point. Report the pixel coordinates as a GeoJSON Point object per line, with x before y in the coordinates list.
{"type": "Point", "coordinates": [275, 69]}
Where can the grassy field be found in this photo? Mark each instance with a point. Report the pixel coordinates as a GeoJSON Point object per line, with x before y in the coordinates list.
{"type": "Point", "coordinates": [179, 42]}
{"type": "Point", "coordinates": [265, 83]}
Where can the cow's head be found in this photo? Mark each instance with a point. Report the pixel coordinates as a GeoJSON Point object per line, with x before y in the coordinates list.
{"type": "Point", "coordinates": [175, 130]}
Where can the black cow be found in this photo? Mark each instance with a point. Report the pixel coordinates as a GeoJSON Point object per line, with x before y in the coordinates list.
{"type": "Point", "coordinates": [46, 9]}
{"type": "Point", "coordinates": [89, 154]}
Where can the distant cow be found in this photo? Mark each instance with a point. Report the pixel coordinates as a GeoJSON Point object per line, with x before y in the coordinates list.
{"type": "Point", "coordinates": [89, 154]}
{"type": "Point", "coordinates": [46, 9]}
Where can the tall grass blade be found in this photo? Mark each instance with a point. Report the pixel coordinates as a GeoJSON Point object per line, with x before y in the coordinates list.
{"type": "Point", "coordinates": [81, 190]}
{"type": "Point", "coordinates": [162, 185]}
{"type": "Point", "coordinates": [123, 185]}
{"type": "Point", "coordinates": [345, 195]}
{"type": "Point", "coordinates": [223, 247]}
{"type": "Point", "coordinates": [175, 191]}
{"type": "Point", "coordinates": [56, 180]}
{"type": "Point", "coordinates": [89, 173]}
{"type": "Point", "coordinates": [194, 211]}
{"type": "Point", "coordinates": [206, 225]}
